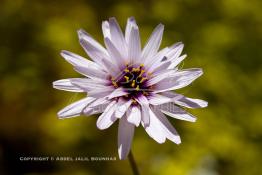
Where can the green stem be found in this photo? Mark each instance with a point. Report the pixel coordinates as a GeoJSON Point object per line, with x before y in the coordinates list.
{"type": "Point", "coordinates": [133, 163]}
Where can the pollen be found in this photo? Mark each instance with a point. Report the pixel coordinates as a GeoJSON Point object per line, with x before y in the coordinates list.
{"type": "Point", "coordinates": [141, 72]}
{"type": "Point", "coordinates": [133, 83]}
{"type": "Point", "coordinates": [127, 78]}
{"type": "Point", "coordinates": [114, 84]}
{"type": "Point", "coordinates": [143, 79]}
{"type": "Point", "coordinates": [134, 101]}
{"type": "Point", "coordinates": [135, 69]}
{"type": "Point", "coordinates": [137, 88]}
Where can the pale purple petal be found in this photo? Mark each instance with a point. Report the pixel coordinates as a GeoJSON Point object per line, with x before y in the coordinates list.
{"type": "Point", "coordinates": [111, 68]}
{"type": "Point", "coordinates": [125, 136]}
{"type": "Point", "coordinates": [157, 99]}
{"type": "Point", "coordinates": [93, 49]}
{"type": "Point", "coordinates": [153, 43]}
{"type": "Point", "coordinates": [116, 56]}
{"type": "Point", "coordinates": [186, 101]}
{"type": "Point", "coordinates": [99, 93]}
{"type": "Point", "coordinates": [106, 29]}
{"type": "Point", "coordinates": [154, 61]}
{"type": "Point", "coordinates": [117, 93]}
{"type": "Point", "coordinates": [159, 77]}
{"type": "Point", "coordinates": [154, 129]}
{"type": "Point", "coordinates": [167, 54]}
{"type": "Point", "coordinates": [96, 109]}
{"type": "Point", "coordinates": [144, 103]}
{"type": "Point", "coordinates": [77, 60]}
{"type": "Point", "coordinates": [169, 130]}
{"type": "Point", "coordinates": [178, 80]}
{"type": "Point", "coordinates": [176, 61]}
{"type": "Point", "coordinates": [66, 85]}
{"type": "Point", "coordinates": [134, 46]}
{"type": "Point", "coordinates": [160, 68]}
{"type": "Point", "coordinates": [176, 112]}
{"type": "Point", "coordinates": [99, 101]}
{"type": "Point", "coordinates": [87, 84]}
{"type": "Point", "coordinates": [134, 115]}
{"type": "Point", "coordinates": [75, 109]}
{"type": "Point", "coordinates": [130, 23]}
{"type": "Point", "coordinates": [91, 73]}
{"type": "Point", "coordinates": [175, 51]}
{"type": "Point", "coordinates": [117, 36]}
{"type": "Point", "coordinates": [122, 107]}
{"type": "Point", "coordinates": [106, 119]}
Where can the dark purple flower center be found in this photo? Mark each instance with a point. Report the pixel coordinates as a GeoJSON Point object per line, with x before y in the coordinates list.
{"type": "Point", "coordinates": [133, 79]}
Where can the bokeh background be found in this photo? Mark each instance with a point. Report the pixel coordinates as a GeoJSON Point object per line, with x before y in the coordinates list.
{"type": "Point", "coordinates": [223, 37]}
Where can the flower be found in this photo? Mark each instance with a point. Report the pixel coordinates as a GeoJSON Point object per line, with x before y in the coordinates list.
{"type": "Point", "coordinates": [131, 84]}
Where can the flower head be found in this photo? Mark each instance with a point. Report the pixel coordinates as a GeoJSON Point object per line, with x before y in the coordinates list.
{"type": "Point", "coordinates": [131, 84]}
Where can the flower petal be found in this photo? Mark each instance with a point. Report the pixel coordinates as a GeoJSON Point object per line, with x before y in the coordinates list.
{"type": "Point", "coordinates": [161, 76]}
{"type": "Point", "coordinates": [162, 66]}
{"type": "Point", "coordinates": [106, 119]}
{"type": "Point", "coordinates": [130, 23]}
{"type": "Point", "coordinates": [122, 107]}
{"type": "Point", "coordinates": [75, 109]}
{"type": "Point", "coordinates": [116, 56]}
{"type": "Point", "coordinates": [99, 93]}
{"type": "Point", "coordinates": [153, 43]}
{"type": "Point", "coordinates": [186, 101]}
{"type": "Point", "coordinates": [125, 136]}
{"type": "Point", "coordinates": [176, 112]}
{"type": "Point", "coordinates": [77, 60]}
{"type": "Point", "coordinates": [91, 73]}
{"type": "Point", "coordinates": [111, 67]}
{"type": "Point", "coordinates": [142, 100]}
{"type": "Point", "coordinates": [156, 58]}
{"type": "Point", "coordinates": [134, 115]}
{"type": "Point", "coordinates": [87, 84]}
{"type": "Point", "coordinates": [176, 61]}
{"type": "Point", "coordinates": [170, 131]}
{"type": "Point", "coordinates": [117, 93]}
{"type": "Point", "coordinates": [134, 45]}
{"type": "Point", "coordinates": [99, 101]}
{"type": "Point", "coordinates": [117, 36]}
{"type": "Point", "coordinates": [106, 29]}
{"type": "Point", "coordinates": [93, 49]}
{"type": "Point", "coordinates": [178, 80]}
{"type": "Point", "coordinates": [166, 54]}
{"type": "Point", "coordinates": [96, 109]}
{"type": "Point", "coordinates": [66, 85]}
{"type": "Point", "coordinates": [154, 129]}
{"type": "Point", "coordinates": [175, 51]}
{"type": "Point", "coordinates": [157, 99]}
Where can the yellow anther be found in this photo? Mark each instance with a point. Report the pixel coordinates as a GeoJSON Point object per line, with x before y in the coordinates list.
{"type": "Point", "coordinates": [134, 101]}
{"type": "Point", "coordinates": [126, 70]}
{"type": "Point", "coordinates": [114, 84]}
{"type": "Point", "coordinates": [127, 78]}
{"type": "Point", "coordinates": [133, 83]}
{"type": "Point", "coordinates": [145, 93]}
{"type": "Point", "coordinates": [143, 79]}
{"type": "Point", "coordinates": [112, 78]}
{"type": "Point", "coordinates": [142, 65]}
{"type": "Point", "coordinates": [135, 69]}
{"type": "Point", "coordinates": [141, 73]}
{"type": "Point", "coordinates": [137, 88]}
{"type": "Point", "coordinates": [149, 73]}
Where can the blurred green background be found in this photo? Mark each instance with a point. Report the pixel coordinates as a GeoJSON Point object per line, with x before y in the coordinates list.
{"type": "Point", "coordinates": [223, 37]}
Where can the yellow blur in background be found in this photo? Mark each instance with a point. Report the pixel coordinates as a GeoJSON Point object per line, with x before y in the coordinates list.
{"type": "Point", "coordinates": [222, 37]}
